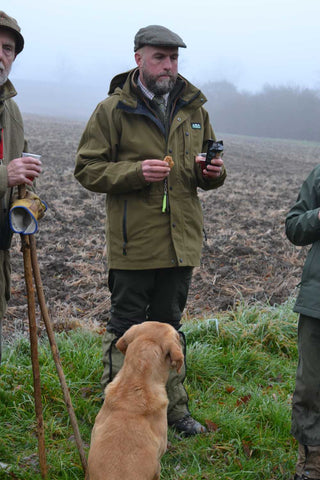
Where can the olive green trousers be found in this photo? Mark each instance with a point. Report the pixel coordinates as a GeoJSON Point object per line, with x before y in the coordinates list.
{"type": "Point", "coordinates": [306, 398]}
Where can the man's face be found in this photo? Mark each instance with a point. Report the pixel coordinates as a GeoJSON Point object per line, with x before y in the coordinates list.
{"type": "Point", "coordinates": [158, 67]}
{"type": "Point", "coordinates": [7, 54]}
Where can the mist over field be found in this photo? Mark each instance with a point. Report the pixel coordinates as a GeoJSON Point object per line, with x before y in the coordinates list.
{"type": "Point", "coordinates": [274, 111]}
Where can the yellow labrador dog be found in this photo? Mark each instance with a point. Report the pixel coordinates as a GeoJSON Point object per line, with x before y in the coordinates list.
{"type": "Point", "coordinates": [130, 432]}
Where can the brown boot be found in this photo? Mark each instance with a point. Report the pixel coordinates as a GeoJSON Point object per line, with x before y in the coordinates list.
{"type": "Point", "coordinates": [308, 464]}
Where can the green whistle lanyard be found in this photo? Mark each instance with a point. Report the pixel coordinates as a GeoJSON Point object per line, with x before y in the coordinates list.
{"type": "Point", "coordinates": [165, 197]}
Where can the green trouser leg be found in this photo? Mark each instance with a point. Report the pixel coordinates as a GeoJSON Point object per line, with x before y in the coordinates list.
{"type": "Point", "coordinates": [306, 397]}
{"type": "Point", "coordinates": [308, 463]}
{"type": "Point", "coordinates": [0, 339]}
{"type": "Point", "coordinates": [177, 395]}
{"type": "Point", "coordinates": [112, 358]}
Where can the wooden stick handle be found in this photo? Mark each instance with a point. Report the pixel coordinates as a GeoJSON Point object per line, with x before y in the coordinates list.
{"type": "Point", "coordinates": [22, 190]}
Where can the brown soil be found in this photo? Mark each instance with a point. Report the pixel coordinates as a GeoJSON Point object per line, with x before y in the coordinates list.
{"type": "Point", "coordinates": [245, 256]}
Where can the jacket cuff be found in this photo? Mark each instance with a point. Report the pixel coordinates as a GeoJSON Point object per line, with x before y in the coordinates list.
{"type": "Point", "coordinates": [142, 181]}
{"type": "Point", "coordinates": [216, 182]}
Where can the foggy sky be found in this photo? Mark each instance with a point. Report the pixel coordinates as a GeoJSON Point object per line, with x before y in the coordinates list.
{"type": "Point", "coordinates": [247, 42]}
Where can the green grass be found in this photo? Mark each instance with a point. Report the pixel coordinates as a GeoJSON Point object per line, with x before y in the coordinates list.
{"type": "Point", "coordinates": [241, 370]}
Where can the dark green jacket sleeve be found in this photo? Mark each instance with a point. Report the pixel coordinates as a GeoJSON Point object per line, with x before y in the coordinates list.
{"type": "Point", "coordinates": [302, 222]}
{"type": "Point", "coordinates": [97, 168]}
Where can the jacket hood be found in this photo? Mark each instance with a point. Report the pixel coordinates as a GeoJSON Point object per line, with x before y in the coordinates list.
{"type": "Point", "coordinates": [119, 80]}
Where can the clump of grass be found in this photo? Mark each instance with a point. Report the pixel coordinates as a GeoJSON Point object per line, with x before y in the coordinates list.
{"type": "Point", "coordinates": [240, 377]}
{"type": "Point", "coordinates": [80, 353]}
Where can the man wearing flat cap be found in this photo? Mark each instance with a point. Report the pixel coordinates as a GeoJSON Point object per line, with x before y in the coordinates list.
{"type": "Point", "coordinates": [14, 170]}
{"type": "Point", "coordinates": [140, 148]}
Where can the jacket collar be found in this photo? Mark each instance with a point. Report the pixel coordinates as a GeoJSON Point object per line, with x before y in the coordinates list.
{"type": "Point", "coordinates": [7, 91]}
{"type": "Point", "coordinates": [125, 85]}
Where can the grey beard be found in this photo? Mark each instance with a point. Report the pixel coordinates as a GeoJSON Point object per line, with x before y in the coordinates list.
{"type": "Point", "coordinates": [3, 78]}
{"type": "Point", "coordinates": [3, 74]}
{"type": "Point", "coordinates": [159, 87]}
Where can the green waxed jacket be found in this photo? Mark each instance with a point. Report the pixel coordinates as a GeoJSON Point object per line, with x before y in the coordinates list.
{"type": "Point", "coordinates": [14, 145]}
{"type": "Point", "coordinates": [303, 228]}
{"type": "Point", "coordinates": [121, 133]}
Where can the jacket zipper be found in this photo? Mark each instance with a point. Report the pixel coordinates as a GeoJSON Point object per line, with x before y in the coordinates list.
{"type": "Point", "coordinates": [124, 229]}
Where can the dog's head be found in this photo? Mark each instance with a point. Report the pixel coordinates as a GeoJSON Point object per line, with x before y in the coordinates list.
{"type": "Point", "coordinates": [162, 334]}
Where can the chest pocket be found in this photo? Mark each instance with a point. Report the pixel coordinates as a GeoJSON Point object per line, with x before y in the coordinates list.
{"type": "Point", "coordinates": [192, 142]}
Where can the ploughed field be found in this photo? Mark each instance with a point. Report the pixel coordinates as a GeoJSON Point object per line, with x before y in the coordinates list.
{"type": "Point", "coordinates": [246, 255]}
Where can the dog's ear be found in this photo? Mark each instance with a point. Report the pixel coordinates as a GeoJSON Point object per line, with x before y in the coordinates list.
{"type": "Point", "coordinates": [174, 350]}
{"type": "Point", "coordinates": [122, 344]}
{"type": "Point", "coordinates": [127, 337]}
{"type": "Point", "coordinates": [176, 358]}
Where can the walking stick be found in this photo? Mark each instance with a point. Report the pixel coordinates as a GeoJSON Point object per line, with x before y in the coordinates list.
{"type": "Point", "coordinates": [25, 245]}
{"type": "Point", "coordinates": [55, 351]}
{"type": "Point", "coordinates": [29, 245]}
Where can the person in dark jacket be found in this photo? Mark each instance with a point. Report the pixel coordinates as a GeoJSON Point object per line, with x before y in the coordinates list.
{"type": "Point", "coordinates": [14, 170]}
{"type": "Point", "coordinates": [303, 228]}
{"type": "Point", "coordinates": [154, 219]}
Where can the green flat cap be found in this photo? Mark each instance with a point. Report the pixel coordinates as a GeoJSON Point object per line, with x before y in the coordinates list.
{"type": "Point", "coordinates": [157, 36]}
{"type": "Point", "coordinates": [10, 23]}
